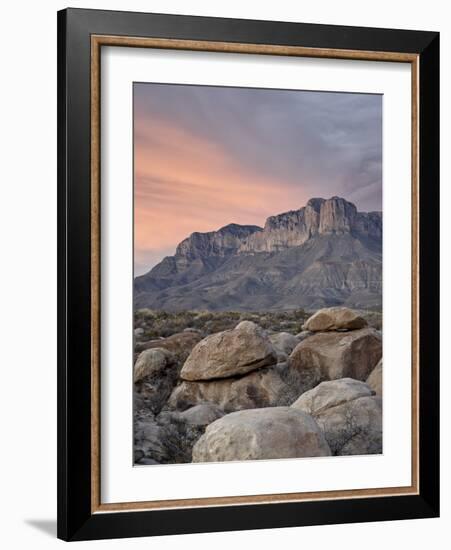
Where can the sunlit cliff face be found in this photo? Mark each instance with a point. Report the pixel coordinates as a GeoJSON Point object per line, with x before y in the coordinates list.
{"type": "Point", "coordinates": [205, 157]}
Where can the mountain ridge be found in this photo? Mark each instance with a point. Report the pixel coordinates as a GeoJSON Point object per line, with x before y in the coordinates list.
{"type": "Point", "coordinates": [325, 253]}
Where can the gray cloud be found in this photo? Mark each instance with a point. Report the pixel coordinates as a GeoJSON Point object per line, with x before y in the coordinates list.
{"type": "Point", "coordinates": [328, 143]}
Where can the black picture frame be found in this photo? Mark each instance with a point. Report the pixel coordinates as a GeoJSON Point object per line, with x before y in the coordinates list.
{"type": "Point", "coordinates": [76, 521]}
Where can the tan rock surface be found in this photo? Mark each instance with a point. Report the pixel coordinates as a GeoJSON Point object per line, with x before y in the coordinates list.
{"type": "Point", "coordinates": [277, 432]}
{"type": "Point", "coordinates": [374, 380]}
{"type": "Point", "coordinates": [353, 428]}
{"type": "Point", "coordinates": [229, 353]}
{"type": "Point", "coordinates": [152, 362]}
{"type": "Point", "coordinates": [334, 355]}
{"type": "Point", "coordinates": [260, 388]}
{"type": "Point", "coordinates": [331, 394]}
{"type": "Point", "coordinates": [335, 318]}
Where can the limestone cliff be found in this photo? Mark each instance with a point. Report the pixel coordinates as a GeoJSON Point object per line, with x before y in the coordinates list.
{"type": "Point", "coordinates": [325, 253]}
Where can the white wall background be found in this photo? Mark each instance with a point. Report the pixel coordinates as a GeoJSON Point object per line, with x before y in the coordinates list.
{"type": "Point", "coordinates": [28, 274]}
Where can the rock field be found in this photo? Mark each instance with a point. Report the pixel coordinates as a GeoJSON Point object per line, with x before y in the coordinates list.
{"type": "Point", "coordinates": [236, 387]}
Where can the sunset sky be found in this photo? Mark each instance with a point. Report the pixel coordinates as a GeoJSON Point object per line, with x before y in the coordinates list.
{"type": "Point", "coordinates": [206, 156]}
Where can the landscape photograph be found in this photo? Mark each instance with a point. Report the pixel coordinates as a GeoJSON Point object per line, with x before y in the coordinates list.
{"type": "Point", "coordinates": [257, 291]}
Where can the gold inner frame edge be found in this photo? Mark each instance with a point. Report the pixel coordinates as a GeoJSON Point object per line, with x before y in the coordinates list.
{"type": "Point", "coordinates": [97, 41]}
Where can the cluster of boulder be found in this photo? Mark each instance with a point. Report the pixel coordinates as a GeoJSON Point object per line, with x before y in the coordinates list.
{"type": "Point", "coordinates": [245, 394]}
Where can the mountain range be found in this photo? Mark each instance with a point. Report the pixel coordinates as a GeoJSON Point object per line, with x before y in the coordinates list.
{"type": "Point", "coordinates": [323, 254]}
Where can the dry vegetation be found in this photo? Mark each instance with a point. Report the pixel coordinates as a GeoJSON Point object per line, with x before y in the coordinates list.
{"type": "Point", "coordinates": [161, 324]}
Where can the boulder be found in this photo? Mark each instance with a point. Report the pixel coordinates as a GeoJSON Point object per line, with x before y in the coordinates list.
{"type": "Point", "coordinates": [374, 380]}
{"type": "Point", "coordinates": [180, 344]}
{"type": "Point", "coordinates": [330, 394]}
{"type": "Point", "coordinates": [335, 318]}
{"type": "Point", "coordinates": [229, 353]}
{"type": "Point", "coordinates": [260, 388]}
{"type": "Point", "coordinates": [348, 413]}
{"type": "Point", "coordinates": [165, 439]}
{"type": "Point", "coordinates": [333, 355]}
{"type": "Point", "coordinates": [156, 372]}
{"type": "Point", "coordinates": [149, 440]}
{"type": "Point", "coordinates": [277, 432]}
{"type": "Point", "coordinates": [284, 342]}
{"type": "Point", "coordinates": [152, 363]}
{"type": "Point", "coordinates": [202, 415]}
{"type": "Point", "coordinates": [354, 427]}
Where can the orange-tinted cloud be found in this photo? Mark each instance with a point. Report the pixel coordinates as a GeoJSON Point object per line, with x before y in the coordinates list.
{"type": "Point", "coordinates": [184, 183]}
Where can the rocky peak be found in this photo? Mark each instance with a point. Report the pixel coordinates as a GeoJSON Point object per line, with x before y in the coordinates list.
{"type": "Point", "coordinates": [369, 223]}
{"type": "Point", "coordinates": [223, 242]}
{"type": "Point", "coordinates": [293, 228]}
{"type": "Point", "coordinates": [323, 254]}
{"type": "Point", "coordinates": [337, 216]}
{"type": "Point", "coordinates": [334, 216]}
{"type": "Point", "coordinates": [319, 217]}
{"type": "Point", "coordinates": [315, 204]}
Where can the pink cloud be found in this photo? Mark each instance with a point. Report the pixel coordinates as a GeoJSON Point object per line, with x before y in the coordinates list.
{"type": "Point", "coordinates": [184, 183]}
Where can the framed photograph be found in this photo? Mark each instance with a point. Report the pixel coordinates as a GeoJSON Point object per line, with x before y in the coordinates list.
{"type": "Point", "coordinates": [248, 274]}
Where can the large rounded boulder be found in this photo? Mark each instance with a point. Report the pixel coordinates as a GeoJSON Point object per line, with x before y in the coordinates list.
{"type": "Point", "coordinates": [335, 318]}
{"type": "Point", "coordinates": [277, 432]}
{"type": "Point", "coordinates": [348, 413]}
{"type": "Point", "coordinates": [152, 363]}
{"type": "Point", "coordinates": [333, 355]}
{"type": "Point", "coordinates": [155, 375]}
{"type": "Point", "coordinates": [331, 394]}
{"type": "Point", "coordinates": [353, 428]}
{"type": "Point", "coordinates": [229, 353]}
{"type": "Point", "coordinates": [260, 388]}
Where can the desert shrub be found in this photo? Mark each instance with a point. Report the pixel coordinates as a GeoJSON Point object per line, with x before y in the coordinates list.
{"type": "Point", "coordinates": [295, 384]}
{"type": "Point", "coordinates": [179, 440]}
{"type": "Point", "coordinates": [161, 324]}
{"type": "Point", "coordinates": [337, 439]}
{"type": "Point", "coordinates": [166, 438]}
{"type": "Point", "coordinates": [218, 325]}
